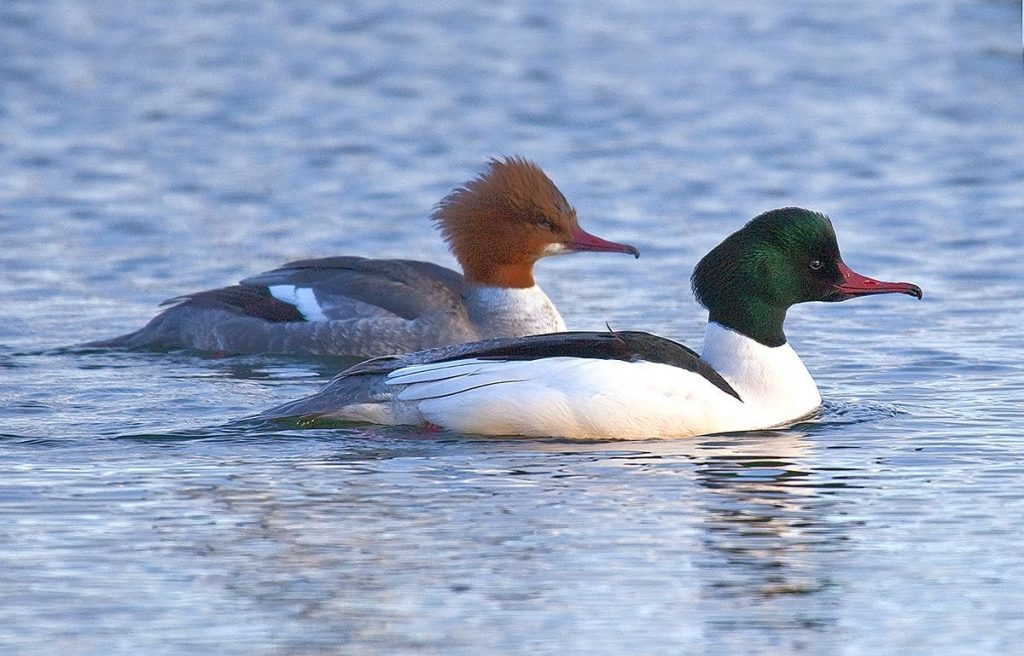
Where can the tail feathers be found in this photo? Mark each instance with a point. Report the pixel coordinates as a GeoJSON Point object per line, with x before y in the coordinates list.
{"type": "Point", "coordinates": [189, 321]}
{"type": "Point", "coordinates": [122, 341]}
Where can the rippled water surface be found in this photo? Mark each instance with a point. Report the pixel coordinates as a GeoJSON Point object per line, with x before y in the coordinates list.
{"type": "Point", "coordinates": [153, 148]}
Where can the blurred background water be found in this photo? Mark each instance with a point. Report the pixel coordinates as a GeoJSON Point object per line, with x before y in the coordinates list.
{"type": "Point", "coordinates": [151, 148]}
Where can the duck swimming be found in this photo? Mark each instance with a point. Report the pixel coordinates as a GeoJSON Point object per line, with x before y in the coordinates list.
{"type": "Point", "coordinates": [629, 385]}
{"type": "Point", "coordinates": [497, 226]}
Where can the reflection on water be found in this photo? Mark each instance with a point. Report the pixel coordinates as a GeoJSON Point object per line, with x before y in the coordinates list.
{"type": "Point", "coordinates": [769, 516]}
{"type": "Point", "coordinates": [151, 149]}
{"type": "Point", "coordinates": [481, 529]}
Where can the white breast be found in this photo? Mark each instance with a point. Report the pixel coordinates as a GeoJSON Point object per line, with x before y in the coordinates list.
{"type": "Point", "coordinates": [505, 312]}
{"type": "Point", "coordinates": [772, 380]}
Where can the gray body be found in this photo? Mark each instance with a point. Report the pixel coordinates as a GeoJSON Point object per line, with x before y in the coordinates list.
{"type": "Point", "coordinates": [360, 308]}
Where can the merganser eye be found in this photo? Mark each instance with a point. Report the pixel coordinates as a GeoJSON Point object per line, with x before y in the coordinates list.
{"type": "Point", "coordinates": [815, 265]}
{"type": "Point", "coordinates": [545, 224]}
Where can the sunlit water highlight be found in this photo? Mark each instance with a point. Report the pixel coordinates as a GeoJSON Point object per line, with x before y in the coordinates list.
{"type": "Point", "coordinates": [154, 148]}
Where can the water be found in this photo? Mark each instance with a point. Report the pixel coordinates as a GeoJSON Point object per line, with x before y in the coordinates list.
{"type": "Point", "coordinates": [155, 148]}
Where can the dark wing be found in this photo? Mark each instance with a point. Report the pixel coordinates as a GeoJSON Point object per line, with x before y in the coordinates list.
{"type": "Point", "coordinates": [630, 346]}
{"type": "Point", "coordinates": [250, 301]}
{"type": "Point", "coordinates": [366, 382]}
{"type": "Point", "coordinates": [348, 287]}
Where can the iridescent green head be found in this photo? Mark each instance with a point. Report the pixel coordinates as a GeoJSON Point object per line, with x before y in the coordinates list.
{"type": "Point", "coordinates": [782, 257]}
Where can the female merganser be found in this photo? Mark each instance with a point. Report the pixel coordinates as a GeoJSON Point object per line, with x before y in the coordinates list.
{"type": "Point", "coordinates": [629, 385]}
{"type": "Point", "coordinates": [497, 226]}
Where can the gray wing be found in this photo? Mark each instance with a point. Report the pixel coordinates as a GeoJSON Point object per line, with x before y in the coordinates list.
{"type": "Point", "coordinates": [364, 308]}
{"type": "Point", "coordinates": [348, 287]}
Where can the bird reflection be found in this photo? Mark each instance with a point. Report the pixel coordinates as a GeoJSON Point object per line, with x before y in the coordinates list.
{"type": "Point", "coordinates": [773, 529]}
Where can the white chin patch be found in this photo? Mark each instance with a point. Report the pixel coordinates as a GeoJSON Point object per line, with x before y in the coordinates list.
{"type": "Point", "coordinates": [302, 298]}
{"type": "Point", "coordinates": [555, 249]}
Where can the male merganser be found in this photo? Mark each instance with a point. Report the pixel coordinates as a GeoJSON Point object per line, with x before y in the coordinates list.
{"type": "Point", "coordinates": [629, 385]}
{"type": "Point", "coordinates": [497, 226]}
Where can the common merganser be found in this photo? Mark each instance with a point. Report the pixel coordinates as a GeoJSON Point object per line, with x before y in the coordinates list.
{"type": "Point", "coordinates": [497, 226]}
{"type": "Point", "coordinates": [629, 385]}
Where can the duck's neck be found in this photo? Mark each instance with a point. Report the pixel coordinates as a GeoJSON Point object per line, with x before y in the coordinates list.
{"type": "Point", "coordinates": [511, 311]}
{"type": "Point", "coordinates": [772, 377]}
{"type": "Point", "coordinates": [754, 318]}
{"type": "Point", "coordinates": [485, 272]}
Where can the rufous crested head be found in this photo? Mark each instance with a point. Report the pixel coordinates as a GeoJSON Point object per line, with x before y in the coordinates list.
{"type": "Point", "coordinates": [498, 224]}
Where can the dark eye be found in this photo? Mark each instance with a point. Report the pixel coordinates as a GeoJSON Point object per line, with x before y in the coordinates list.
{"type": "Point", "coordinates": [815, 265]}
{"type": "Point", "coordinates": [545, 224]}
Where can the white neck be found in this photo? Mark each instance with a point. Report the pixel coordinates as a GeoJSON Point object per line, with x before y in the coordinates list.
{"type": "Point", "coordinates": [770, 378]}
{"type": "Point", "coordinates": [512, 312]}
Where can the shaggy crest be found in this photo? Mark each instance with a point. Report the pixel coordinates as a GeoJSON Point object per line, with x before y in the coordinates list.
{"type": "Point", "coordinates": [512, 199]}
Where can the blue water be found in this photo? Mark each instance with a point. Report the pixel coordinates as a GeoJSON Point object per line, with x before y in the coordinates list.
{"type": "Point", "coordinates": [149, 149]}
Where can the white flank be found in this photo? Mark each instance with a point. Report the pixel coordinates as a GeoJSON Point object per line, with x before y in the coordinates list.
{"type": "Point", "coordinates": [609, 399]}
{"type": "Point", "coordinates": [568, 397]}
{"type": "Point", "coordinates": [302, 298]}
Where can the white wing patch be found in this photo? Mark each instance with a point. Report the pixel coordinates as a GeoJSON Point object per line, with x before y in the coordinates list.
{"type": "Point", "coordinates": [302, 298]}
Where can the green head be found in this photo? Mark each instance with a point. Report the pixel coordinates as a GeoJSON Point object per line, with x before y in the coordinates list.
{"type": "Point", "coordinates": [782, 257]}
